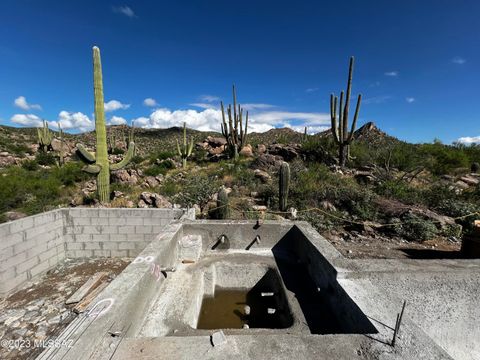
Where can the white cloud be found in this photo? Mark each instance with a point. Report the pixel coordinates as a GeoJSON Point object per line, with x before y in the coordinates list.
{"type": "Point", "coordinates": [459, 60]}
{"type": "Point", "coordinates": [209, 98]}
{"type": "Point", "coordinates": [410, 100]}
{"type": "Point", "coordinates": [21, 102]}
{"type": "Point", "coordinates": [391, 73]}
{"type": "Point", "coordinates": [210, 119]}
{"type": "Point", "coordinates": [150, 102]}
{"type": "Point", "coordinates": [67, 120]}
{"type": "Point", "coordinates": [26, 120]}
{"type": "Point", "coordinates": [310, 90]}
{"type": "Point", "coordinates": [74, 120]}
{"type": "Point", "coordinates": [469, 140]}
{"type": "Point", "coordinates": [113, 105]}
{"type": "Point", "coordinates": [125, 10]}
{"type": "Point", "coordinates": [117, 120]}
{"type": "Point", "coordinates": [252, 107]}
{"type": "Point", "coordinates": [376, 99]}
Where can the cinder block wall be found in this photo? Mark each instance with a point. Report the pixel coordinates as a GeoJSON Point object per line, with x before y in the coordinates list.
{"type": "Point", "coordinates": [33, 245]}
{"type": "Point", "coordinates": [113, 232]}
{"type": "Point", "coordinates": [29, 247]}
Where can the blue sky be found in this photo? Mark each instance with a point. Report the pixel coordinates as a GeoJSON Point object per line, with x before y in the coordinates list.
{"type": "Point", "coordinates": [416, 62]}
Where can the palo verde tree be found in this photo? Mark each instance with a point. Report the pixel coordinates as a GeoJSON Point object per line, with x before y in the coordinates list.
{"type": "Point", "coordinates": [98, 163]}
{"type": "Point", "coordinates": [339, 118]}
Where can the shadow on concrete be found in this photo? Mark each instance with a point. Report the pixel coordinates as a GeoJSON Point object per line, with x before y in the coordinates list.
{"type": "Point", "coordinates": [432, 254]}
{"type": "Point", "coordinates": [327, 308]}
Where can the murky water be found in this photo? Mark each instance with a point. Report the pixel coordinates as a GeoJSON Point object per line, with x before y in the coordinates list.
{"type": "Point", "coordinates": [227, 310]}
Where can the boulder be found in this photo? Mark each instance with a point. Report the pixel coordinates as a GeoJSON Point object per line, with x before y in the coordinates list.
{"type": "Point", "coordinates": [247, 151]}
{"type": "Point", "coordinates": [262, 175]}
{"type": "Point", "coordinates": [216, 141]}
{"type": "Point", "coordinates": [287, 152]}
{"type": "Point", "coordinates": [261, 148]}
{"type": "Point", "coordinates": [151, 181]}
{"type": "Point", "coordinates": [267, 161]}
{"type": "Point", "coordinates": [469, 180]}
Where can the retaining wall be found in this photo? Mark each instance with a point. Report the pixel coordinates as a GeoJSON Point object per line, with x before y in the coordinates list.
{"type": "Point", "coordinates": [35, 244]}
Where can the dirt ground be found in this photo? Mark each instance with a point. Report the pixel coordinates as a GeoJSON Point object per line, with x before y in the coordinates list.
{"type": "Point", "coordinates": [377, 247]}
{"type": "Point", "coordinates": [37, 312]}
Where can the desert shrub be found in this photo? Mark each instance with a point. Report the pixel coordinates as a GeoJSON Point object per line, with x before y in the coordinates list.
{"type": "Point", "coordinates": [30, 165]}
{"type": "Point", "coordinates": [162, 155]}
{"type": "Point", "coordinates": [414, 228]}
{"type": "Point", "coordinates": [398, 190]}
{"type": "Point", "coordinates": [70, 173]}
{"type": "Point", "coordinates": [197, 190]}
{"type": "Point", "coordinates": [32, 192]}
{"type": "Point", "coordinates": [169, 187]}
{"type": "Point", "coordinates": [475, 167]}
{"type": "Point", "coordinates": [45, 158]}
{"type": "Point", "coordinates": [118, 151]}
{"type": "Point", "coordinates": [443, 159]}
{"type": "Point", "coordinates": [308, 188]}
{"type": "Point", "coordinates": [161, 168]}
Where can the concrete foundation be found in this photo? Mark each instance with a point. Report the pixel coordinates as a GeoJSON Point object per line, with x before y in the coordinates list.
{"type": "Point", "coordinates": [328, 306]}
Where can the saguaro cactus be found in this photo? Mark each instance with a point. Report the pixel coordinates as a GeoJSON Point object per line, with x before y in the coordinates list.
{"type": "Point", "coordinates": [61, 153]}
{"type": "Point", "coordinates": [98, 163]}
{"type": "Point", "coordinates": [233, 132]}
{"type": "Point", "coordinates": [44, 137]}
{"type": "Point", "coordinates": [222, 204]}
{"type": "Point", "coordinates": [283, 184]}
{"type": "Point", "coordinates": [186, 150]}
{"type": "Point", "coordinates": [340, 132]}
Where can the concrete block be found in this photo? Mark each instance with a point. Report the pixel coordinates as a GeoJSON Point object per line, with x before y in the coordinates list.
{"type": "Point", "coordinates": [103, 237]}
{"type": "Point", "coordinates": [82, 237]}
{"type": "Point", "coordinates": [101, 253]}
{"type": "Point", "coordinates": [40, 268]}
{"type": "Point", "coordinates": [116, 221]}
{"type": "Point", "coordinates": [143, 229]}
{"type": "Point", "coordinates": [99, 221]}
{"type": "Point", "coordinates": [26, 265]}
{"type": "Point", "coordinates": [24, 246]}
{"type": "Point", "coordinates": [83, 253]}
{"type": "Point", "coordinates": [133, 253]}
{"type": "Point", "coordinates": [47, 254]}
{"type": "Point", "coordinates": [21, 224]}
{"type": "Point", "coordinates": [4, 230]}
{"type": "Point", "coordinates": [92, 246]}
{"type": "Point", "coordinates": [126, 229]}
{"type": "Point", "coordinates": [13, 261]}
{"type": "Point", "coordinates": [134, 221]}
{"type": "Point", "coordinates": [110, 245]}
{"type": "Point", "coordinates": [126, 245]}
{"type": "Point", "coordinates": [7, 274]}
{"type": "Point", "coordinates": [81, 221]}
{"type": "Point", "coordinates": [119, 253]}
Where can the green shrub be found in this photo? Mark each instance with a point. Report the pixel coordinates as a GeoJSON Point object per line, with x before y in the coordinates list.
{"type": "Point", "coordinates": [70, 173]}
{"type": "Point", "coordinates": [399, 190]}
{"type": "Point", "coordinates": [414, 228]}
{"type": "Point", "coordinates": [45, 158]}
{"type": "Point", "coordinates": [197, 190]}
{"type": "Point", "coordinates": [30, 165]}
{"type": "Point", "coordinates": [157, 169]}
{"type": "Point", "coordinates": [162, 155]}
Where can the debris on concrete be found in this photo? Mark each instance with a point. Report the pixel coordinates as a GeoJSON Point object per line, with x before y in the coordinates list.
{"type": "Point", "coordinates": [218, 338]}
{"type": "Point", "coordinates": [37, 312]}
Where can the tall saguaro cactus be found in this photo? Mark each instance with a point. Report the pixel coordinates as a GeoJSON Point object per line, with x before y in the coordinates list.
{"type": "Point", "coordinates": [283, 184]}
{"type": "Point", "coordinates": [234, 132]}
{"type": "Point", "coordinates": [342, 137]}
{"type": "Point", "coordinates": [98, 163]}
{"type": "Point", "coordinates": [44, 137]}
{"type": "Point", "coordinates": [186, 150]}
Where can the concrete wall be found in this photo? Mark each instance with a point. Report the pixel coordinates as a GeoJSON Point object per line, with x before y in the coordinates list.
{"type": "Point", "coordinates": [29, 247]}
{"type": "Point", "coordinates": [113, 232]}
{"type": "Point", "coordinates": [33, 245]}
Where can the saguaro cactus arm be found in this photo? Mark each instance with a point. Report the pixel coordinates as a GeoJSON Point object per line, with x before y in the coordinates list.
{"type": "Point", "coordinates": [92, 169]}
{"type": "Point", "coordinates": [85, 155]}
{"type": "Point", "coordinates": [126, 158]}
